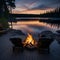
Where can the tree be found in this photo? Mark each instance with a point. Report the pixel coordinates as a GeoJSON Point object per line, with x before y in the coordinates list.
{"type": "Point", "coordinates": [11, 4]}
{"type": "Point", "coordinates": [5, 5]}
{"type": "Point", "coordinates": [4, 10]}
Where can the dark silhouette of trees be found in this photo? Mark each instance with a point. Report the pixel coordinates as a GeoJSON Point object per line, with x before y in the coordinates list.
{"type": "Point", "coordinates": [5, 8]}
{"type": "Point", "coordinates": [55, 13]}
{"type": "Point", "coordinates": [5, 5]}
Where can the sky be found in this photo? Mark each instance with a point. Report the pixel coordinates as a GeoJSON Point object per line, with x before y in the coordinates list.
{"type": "Point", "coordinates": [35, 6]}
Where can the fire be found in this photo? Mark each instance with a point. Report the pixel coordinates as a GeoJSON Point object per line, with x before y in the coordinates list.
{"type": "Point", "coordinates": [29, 41]}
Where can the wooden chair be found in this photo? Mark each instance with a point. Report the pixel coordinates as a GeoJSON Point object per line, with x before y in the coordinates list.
{"type": "Point", "coordinates": [17, 42]}
{"type": "Point", "coordinates": [44, 43]}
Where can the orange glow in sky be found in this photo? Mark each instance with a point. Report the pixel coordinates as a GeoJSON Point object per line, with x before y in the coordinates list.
{"type": "Point", "coordinates": [36, 11]}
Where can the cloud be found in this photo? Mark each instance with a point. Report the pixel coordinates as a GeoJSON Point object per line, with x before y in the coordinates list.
{"type": "Point", "coordinates": [37, 4]}
{"type": "Point", "coordinates": [46, 4]}
{"type": "Point", "coordinates": [25, 5]}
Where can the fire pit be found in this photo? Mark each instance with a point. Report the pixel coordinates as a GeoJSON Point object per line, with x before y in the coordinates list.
{"type": "Point", "coordinates": [29, 42]}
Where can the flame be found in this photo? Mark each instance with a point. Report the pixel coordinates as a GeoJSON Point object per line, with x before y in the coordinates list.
{"type": "Point", "coordinates": [29, 41]}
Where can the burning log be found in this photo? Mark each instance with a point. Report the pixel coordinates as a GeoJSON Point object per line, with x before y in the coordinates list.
{"type": "Point", "coordinates": [29, 42]}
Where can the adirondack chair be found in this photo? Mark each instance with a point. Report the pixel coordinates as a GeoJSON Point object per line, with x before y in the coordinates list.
{"type": "Point", "coordinates": [17, 42]}
{"type": "Point", "coordinates": [44, 43]}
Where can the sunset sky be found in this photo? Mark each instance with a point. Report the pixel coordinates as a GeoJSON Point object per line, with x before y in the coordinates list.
{"type": "Point", "coordinates": [35, 6]}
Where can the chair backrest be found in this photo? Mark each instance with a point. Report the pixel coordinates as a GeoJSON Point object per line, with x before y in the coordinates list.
{"type": "Point", "coordinates": [16, 41]}
{"type": "Point", "coordinates": [44, 42]}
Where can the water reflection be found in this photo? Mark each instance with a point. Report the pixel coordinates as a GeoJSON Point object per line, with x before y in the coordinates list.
{"type": "Point", "coordinates": [53, 25]}
{"type": "Point", "coordinates": [35, 26]}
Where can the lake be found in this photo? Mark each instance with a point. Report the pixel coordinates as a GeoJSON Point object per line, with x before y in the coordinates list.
{"type": "Point", "coordinates": [35, 26]}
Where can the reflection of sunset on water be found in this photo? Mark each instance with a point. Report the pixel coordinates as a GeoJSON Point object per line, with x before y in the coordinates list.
{"type": "Point", "coordinates": [28, 22]}
{"type": "Point", "coordinates": [33, 23]}
{"type": "Point", "coordinates": [33, 26]}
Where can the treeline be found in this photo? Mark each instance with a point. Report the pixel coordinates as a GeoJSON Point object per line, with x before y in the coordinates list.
{"type": "Point", "coordinates": [53, 14]}
{"type": "Point", "coordinates": [25, 15]}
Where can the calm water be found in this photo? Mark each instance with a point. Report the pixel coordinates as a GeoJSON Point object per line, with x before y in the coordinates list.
{"type": "Point", "coordinates": [35, 26]}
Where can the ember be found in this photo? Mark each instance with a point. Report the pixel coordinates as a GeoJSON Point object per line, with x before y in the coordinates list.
{"type": "Point", "coordinates": [29, 42]}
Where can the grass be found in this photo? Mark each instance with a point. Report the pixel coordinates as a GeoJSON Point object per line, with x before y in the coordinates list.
{"type": "Point", "coordinates": [4, 22]}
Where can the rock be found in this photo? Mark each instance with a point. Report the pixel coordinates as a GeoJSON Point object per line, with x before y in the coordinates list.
{"type": "Point", "coordinates": [3, 31]}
